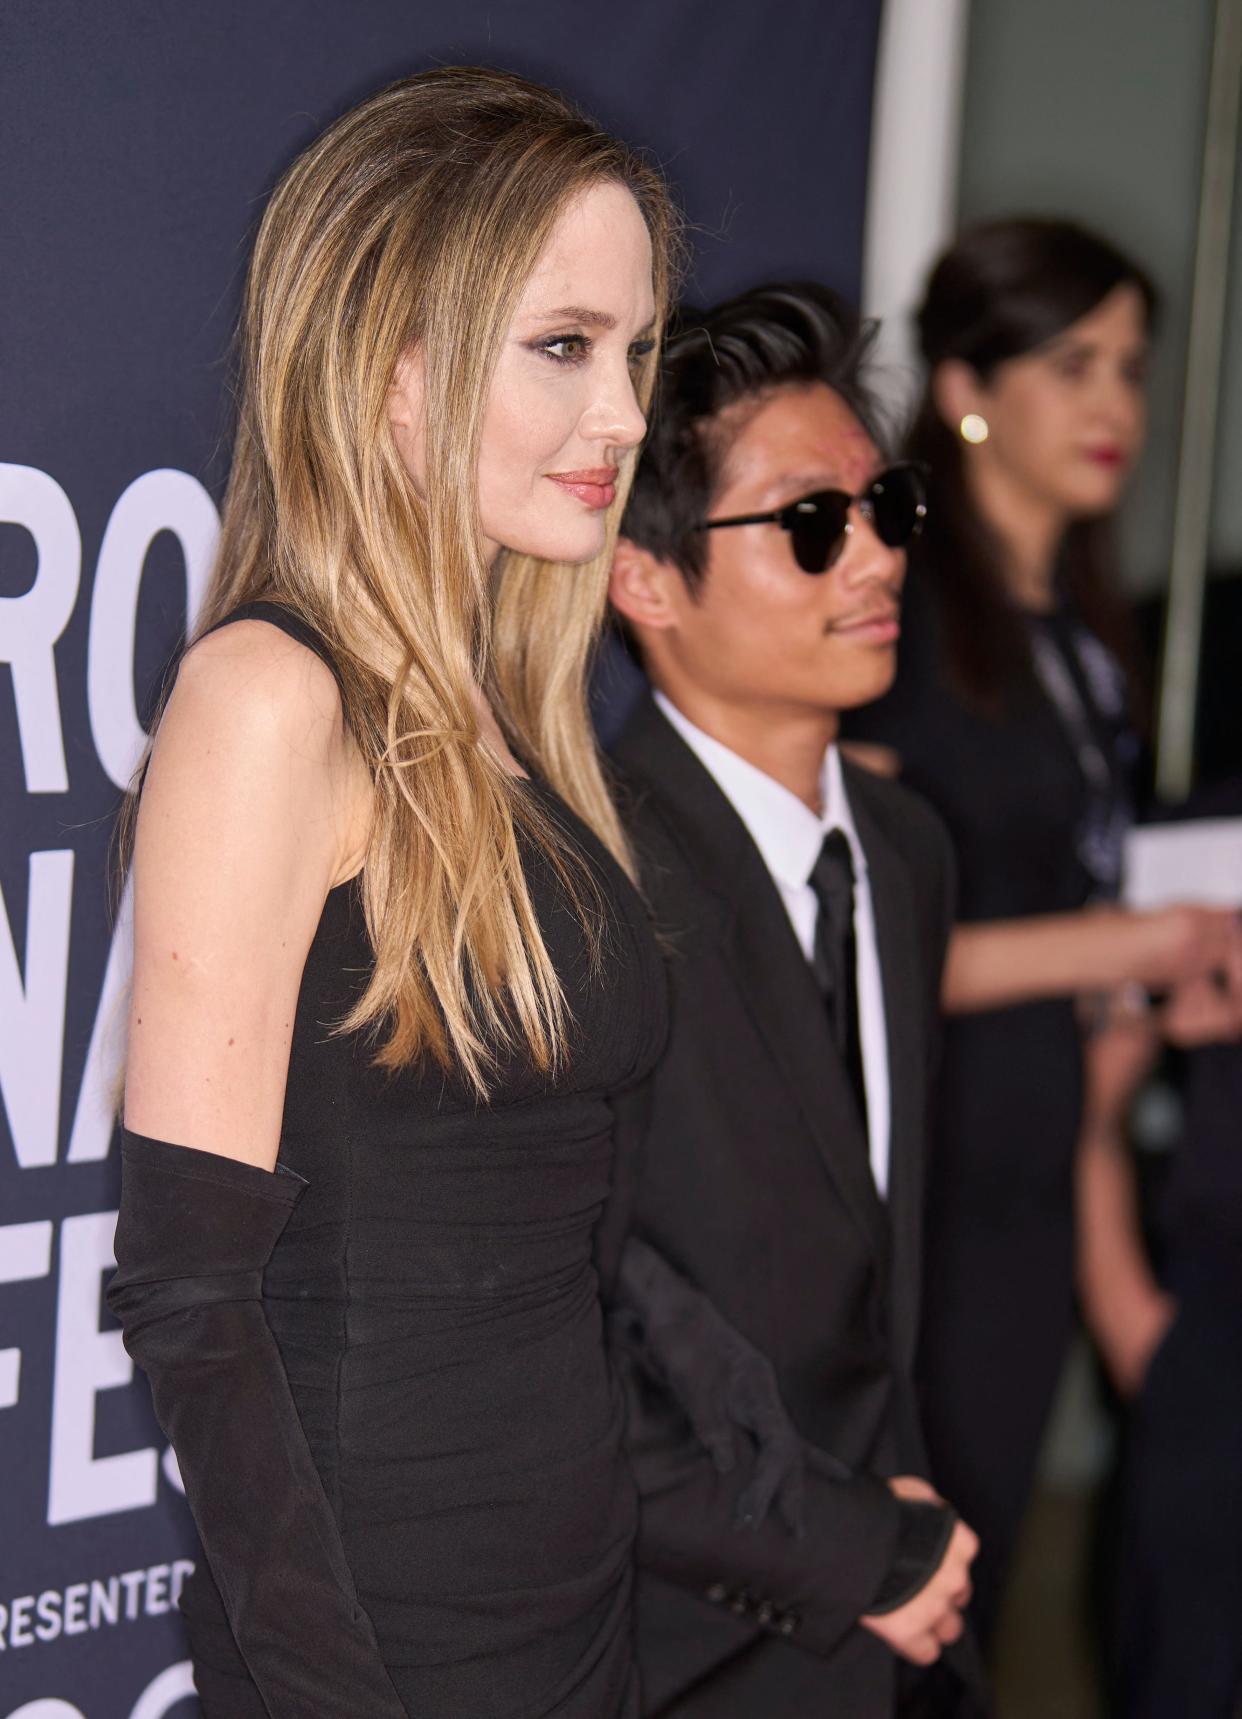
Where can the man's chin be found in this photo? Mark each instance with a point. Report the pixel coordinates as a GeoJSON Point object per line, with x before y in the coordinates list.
{"type": "Point", "coordinates": [869, 680]}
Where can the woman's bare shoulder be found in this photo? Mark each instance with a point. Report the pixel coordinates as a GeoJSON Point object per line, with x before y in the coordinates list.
{"type": "Point", "coordinates": [254, 675]}
{"type": "Point", "coordinates": [248, 761]}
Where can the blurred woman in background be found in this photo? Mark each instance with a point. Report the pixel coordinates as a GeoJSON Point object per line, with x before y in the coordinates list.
{"type": "Point", "coordinates": [1016, 712]}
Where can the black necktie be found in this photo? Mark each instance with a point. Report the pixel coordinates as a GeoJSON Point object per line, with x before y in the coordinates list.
{"type": "Point", "coordinates": [835, 958]}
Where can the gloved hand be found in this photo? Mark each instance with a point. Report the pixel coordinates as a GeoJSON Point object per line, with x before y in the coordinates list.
{"type": "Point", "coordinates": [721, 1381]}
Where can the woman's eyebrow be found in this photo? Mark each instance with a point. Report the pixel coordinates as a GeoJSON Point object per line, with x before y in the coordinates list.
{"type": "Point", "coordinates": [1069, 343]}
{"type": "Point", "coordinates": [578, 313]}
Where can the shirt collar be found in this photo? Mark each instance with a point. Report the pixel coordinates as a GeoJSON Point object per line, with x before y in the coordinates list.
{"type": "Point", "coordinates": [787, 833]}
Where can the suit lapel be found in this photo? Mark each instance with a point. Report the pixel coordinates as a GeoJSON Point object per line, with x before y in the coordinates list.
{"type": "Point", "coordinates": [904, 993]}
{"type": "Point", "coordinates": [773, 976]}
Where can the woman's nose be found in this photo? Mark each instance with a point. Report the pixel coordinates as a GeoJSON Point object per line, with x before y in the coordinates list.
{"type": "Point", "coordinates": [616, 417]}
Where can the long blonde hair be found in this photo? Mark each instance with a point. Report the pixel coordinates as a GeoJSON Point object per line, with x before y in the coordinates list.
{"type": "Point", "coordinates": [417, 218]}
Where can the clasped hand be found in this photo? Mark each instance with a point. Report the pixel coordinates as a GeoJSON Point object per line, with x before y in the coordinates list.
{"type": "Point", "coordinates": [1195, 959]}
{"type": "Point", "coordinates": [933, 1617]}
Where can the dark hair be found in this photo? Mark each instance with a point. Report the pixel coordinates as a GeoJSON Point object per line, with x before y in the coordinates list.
{"type": "Point", "coordinates": [786, 335]}
{"type": "Point", "coordinates": [1004, 289]}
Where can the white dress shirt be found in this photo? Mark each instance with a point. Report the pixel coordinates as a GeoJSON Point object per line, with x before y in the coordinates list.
{"type": "Point", "coordinates": [789, 836]}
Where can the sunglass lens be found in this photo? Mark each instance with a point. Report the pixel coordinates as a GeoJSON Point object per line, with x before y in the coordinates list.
{"type": "Point", "coordinates": [898, 505]}
{"type": "Point", "coordinates": [817, 528]}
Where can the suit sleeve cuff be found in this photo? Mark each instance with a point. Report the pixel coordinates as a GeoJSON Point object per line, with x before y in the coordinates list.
{"type": "Point", "coordinates": [923, 1534]}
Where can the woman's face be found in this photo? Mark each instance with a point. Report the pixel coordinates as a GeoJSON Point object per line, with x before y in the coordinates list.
{"type": "Point", "coordinates": [1066, 422]}
{"type": "Point", "coordinates": [561, 411]}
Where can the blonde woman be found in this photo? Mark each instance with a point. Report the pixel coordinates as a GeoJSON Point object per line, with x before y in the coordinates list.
{"type": "Point", "coordinates": [388, 964]}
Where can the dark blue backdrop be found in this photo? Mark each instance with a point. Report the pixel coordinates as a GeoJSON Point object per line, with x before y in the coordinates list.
{"type": "Point", "coordinates": [137, 142]}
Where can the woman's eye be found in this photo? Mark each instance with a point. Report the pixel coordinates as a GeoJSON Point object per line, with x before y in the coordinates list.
{"type": "Point", "coordinates": [1073, 367]}
{"type": "Point", "coordinates": [566, 348]}
{"type": "Point", "coordinates": [638, 351]}
{"type": "Point", "coordinates": [1135, 372]}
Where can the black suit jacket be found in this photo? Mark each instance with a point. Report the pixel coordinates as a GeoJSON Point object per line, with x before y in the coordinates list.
{"type": "Point", "coordinates": [744, 1163]}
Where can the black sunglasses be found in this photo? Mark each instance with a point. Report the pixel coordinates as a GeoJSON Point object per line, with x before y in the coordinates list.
{"type": "Point", "coordinates": [894, 504]}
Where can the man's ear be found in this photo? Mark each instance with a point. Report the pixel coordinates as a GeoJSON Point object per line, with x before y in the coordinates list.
{"type": "Point", "coordinates": [643, 589]}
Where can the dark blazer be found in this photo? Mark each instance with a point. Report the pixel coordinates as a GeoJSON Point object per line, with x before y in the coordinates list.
{"type": "Point", "coordinates": [744, 1163]}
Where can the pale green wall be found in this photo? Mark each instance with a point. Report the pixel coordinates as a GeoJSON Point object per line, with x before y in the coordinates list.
{"type": "Point", "coordinates": [1094, 109]}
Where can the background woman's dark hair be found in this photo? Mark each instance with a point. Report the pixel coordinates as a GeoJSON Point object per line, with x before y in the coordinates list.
{"type": "Point", "coordinates": [771, 337]}
{"type": "Point", "coordinates": [1004, 289]}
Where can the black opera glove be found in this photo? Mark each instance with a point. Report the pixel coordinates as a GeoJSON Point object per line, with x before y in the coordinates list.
{"type": "Point", "coordinates": [195, 1233]}
{"type": "Point", "coordinates": [721, 1381]}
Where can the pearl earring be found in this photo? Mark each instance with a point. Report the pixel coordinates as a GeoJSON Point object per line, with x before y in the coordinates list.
{"type": "Point", "coordinates": [974, 429]}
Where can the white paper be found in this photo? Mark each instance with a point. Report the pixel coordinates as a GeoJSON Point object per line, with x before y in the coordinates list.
{"type": "Point", "coordinates": [1199, 861]}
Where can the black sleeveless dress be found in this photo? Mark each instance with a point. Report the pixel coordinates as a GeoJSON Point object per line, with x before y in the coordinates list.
{"type": "Point", "coordinates": [436, 1310]}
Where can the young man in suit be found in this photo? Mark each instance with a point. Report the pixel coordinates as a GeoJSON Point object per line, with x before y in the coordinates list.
{"type": "Point", "coordinates": [776, 1158]}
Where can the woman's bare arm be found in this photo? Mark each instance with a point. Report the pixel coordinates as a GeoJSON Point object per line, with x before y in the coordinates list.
{"type": "Point", "coordinates": [999, 962]}
{"type": "Point", "coordinates": [254, 805]}
{"type": "Point", "coordinates": [1126, 1310]}
{"type": "Point", "coordinates": [248, 817]}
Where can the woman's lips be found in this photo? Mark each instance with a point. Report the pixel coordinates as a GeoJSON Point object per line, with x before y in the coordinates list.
{"type": "Point", "coordinates": [1112, 458]}
{"type": "Point", "coordinates": [596, 488]}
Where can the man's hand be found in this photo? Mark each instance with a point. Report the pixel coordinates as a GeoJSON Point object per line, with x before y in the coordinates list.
{"type": "Point", "coordinates": [926, 1624]}
{"type": "Point", "coordinates": [914, 1486]}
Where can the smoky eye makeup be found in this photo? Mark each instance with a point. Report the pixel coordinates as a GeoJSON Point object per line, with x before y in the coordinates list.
{"type": "Point", "coordinates": [571, 349]}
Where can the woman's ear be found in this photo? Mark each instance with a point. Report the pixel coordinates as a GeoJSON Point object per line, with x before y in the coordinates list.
{"type": "Point", "coordinates": [640, 587]}
{"type": "Point", "coordinates": [957, 391]}
{"type": "Point", "coordinates": [404, 409]}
